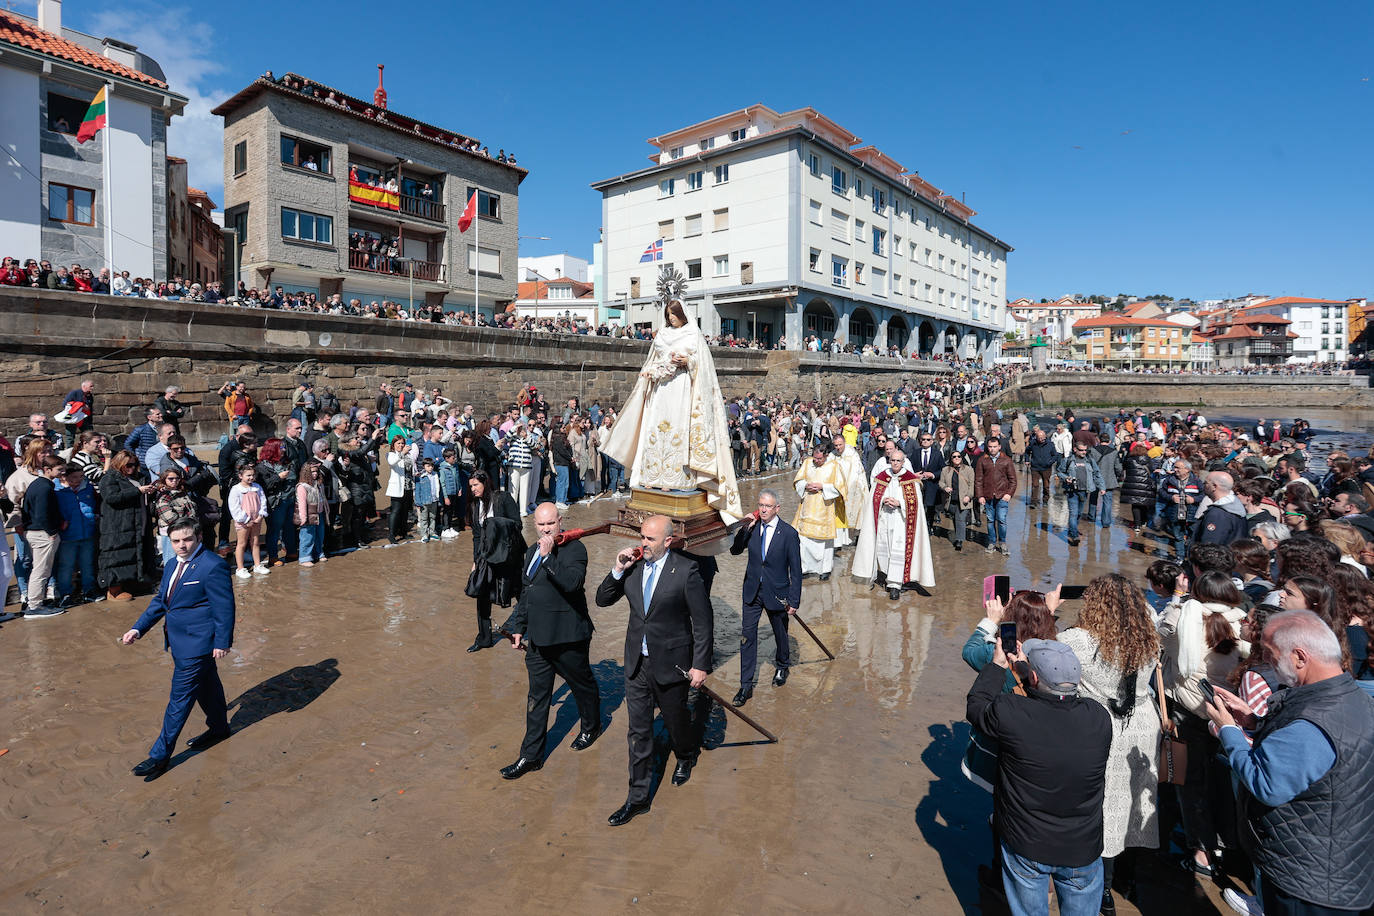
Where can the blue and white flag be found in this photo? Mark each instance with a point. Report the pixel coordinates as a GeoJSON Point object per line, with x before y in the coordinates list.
{"type": "Point", "coordinates": [653, 253]}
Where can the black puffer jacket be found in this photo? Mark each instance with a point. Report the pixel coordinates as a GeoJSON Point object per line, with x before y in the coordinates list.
{"type": "Point", "coordinates": [1138, 488]}
{"type": "Point", "coordinates": [124, 542]}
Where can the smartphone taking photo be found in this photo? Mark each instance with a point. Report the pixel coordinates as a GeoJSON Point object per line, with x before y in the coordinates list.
{"type": "Point", "coordinates": [1007, 633]}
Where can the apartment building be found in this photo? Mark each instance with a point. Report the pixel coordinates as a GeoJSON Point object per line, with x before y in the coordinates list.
{"type": "Point", "coordinates": [785, 226]}
{"type": "Point", "coordinates": [1138, 335]}
{"type": "Point", "coordinates": [329, 193]}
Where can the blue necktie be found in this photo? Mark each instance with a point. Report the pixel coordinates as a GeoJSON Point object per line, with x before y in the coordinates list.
{"type": "Point", "coordinates": [534, 567]}
{"type": "Point", "coordinates": [649, 569]}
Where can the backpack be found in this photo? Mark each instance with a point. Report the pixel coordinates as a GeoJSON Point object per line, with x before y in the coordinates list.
{"type": "Point", "coordinates": [329, 403]}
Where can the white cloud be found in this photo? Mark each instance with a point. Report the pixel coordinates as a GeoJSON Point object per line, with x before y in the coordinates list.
{"type": "Point", "coordinates": [185, 49]}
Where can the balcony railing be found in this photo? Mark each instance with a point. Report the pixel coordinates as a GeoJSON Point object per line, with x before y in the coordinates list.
{"type": "Point", "coordinates": [432, 271]}
{"type": "Point", "coordinates": [423, 207]}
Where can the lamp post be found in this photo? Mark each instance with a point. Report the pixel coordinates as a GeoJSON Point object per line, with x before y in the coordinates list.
{"type": "Point", "coordinates": [537, 277]}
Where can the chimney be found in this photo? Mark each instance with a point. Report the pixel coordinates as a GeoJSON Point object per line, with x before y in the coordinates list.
{"type": "Point", "coordinates": [50, 16]}
{"type": "Point", "coordinates": [379, 96]}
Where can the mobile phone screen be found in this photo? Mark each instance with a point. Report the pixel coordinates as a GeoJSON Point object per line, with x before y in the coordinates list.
{"type": "Point", "coordinates": [1072, 592]}
{"type": "Point", "coordinates": [1207, 688]}
{"type": "Point", "coordinates": [1007, 633]}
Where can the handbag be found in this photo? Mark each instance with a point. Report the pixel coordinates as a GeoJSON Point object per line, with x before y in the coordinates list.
{"type": "Point", "coordinates": [1173, 752]}
{"type": "Point", "coordinates": [479, 581]}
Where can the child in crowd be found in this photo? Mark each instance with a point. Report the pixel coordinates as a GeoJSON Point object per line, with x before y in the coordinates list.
{"type": "Point", "coordinates": [248, 507]}
{"type": "Point", "coordinates": [76, 500]}
{"type": "Point", "coordinates": [451, 481]}
{"type": "Point", "coordinates": [427, 495]}
{"type": "Point", "coordinates": [312, 514]}
{"type": "Point", "coordinates": [1161, 577]}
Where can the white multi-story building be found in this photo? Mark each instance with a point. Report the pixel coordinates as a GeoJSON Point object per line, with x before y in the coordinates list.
{"type": "Point", "coordinates": [1051, 319]}
{"type": "Point", "coordinates": [785, 227]}
{"type": "Point", "coordinates": [1319, 323]}
{"type": "Point", "coordinates": [102, 203]}
{"type": "Point", "coordinates": [553, 267]}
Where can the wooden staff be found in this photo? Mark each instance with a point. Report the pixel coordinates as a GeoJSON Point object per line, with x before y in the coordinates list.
{"type": "Point", "coordinates": [828, 654]}
{"type": "Point", "coordinates": [576, 534]}
{"type": "Point", "coordinates": [720, 701]}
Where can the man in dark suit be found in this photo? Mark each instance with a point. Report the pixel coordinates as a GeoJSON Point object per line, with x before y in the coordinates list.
{"type": "Point", "coordinates": [670, 628]}
{"type": "Point", "coordinates": [772, 583]}
{"type": "Point", "coordinates": [197, 598]}
{"type": "Point", "coordinates": [926, 463]}
{"type": "Point", "coordinates": [552, 625]}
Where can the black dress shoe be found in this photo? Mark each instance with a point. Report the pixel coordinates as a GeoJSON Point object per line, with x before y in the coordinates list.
{"type": "Point", "coordinates": [585, 739]}
{"type": "Point", "coordinates": [152, 768]}
{"type": "Point", "coordinates": [479, 644]}
{"type": "Point", "coordinates": [207, 740]}
{"type": "Point", "coordinates": [627, 812]}
{"type": "Point", "coordinates": [742, 696]}
{"type": "Point", "coordinates": [780, 677]}
{"type": "Point", "coordinates": [521, 767]}
{"type": "Point", "coordinates": [824, 577]}
{"type": "Point", "coordinates": [683, 771]}
{"type": "Point", "coordinates": [894, 593]}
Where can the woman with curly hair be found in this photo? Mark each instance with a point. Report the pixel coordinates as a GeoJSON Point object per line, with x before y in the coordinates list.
{"type": "Point", "coordinates": [1354, 613]}
{"type": "Point", "coordinates": [1117, 647]}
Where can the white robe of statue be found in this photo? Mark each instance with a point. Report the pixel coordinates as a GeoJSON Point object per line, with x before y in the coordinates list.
{"type": "Point", "coordinates": [672, 432]}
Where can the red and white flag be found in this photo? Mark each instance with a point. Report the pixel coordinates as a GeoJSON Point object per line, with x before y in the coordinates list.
{"type": "Point", "coordinates": [469, 213]}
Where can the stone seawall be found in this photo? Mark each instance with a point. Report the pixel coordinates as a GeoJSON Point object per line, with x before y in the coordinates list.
{"type": "Point", "coordinates": [134, 348]}
{"type": "Point", "coordinates": [1277, 392]}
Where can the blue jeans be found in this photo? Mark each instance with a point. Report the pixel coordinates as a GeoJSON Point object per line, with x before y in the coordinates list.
{"type": "Point", "coordinates": [276, 529]}
{"type": "Point", "coordinates": [1078, 501]}
{"type": "Point", "coordinates": [72, 555]}
{"type": "Point", "coordinates": [1027, 883]}
{"type": "Point", "coordinates": [615, 473]}
{"type": "Point", "coordinates": [312, 541]}
{"type": "Point", "coordinates": [996, 511]}
{"type": "Point", "coordinates": [165, 549]}
{"type": "Point", "coordinates": [23, 564]}
{"type": "Point", "coordinates": [560, 483]}
{"type": "Point", "coordinates": [1104, 507]}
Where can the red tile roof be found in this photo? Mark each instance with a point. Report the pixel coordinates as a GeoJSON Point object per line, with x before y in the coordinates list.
{"type": "Point", "coordinates": [1244, 332]}
{"type": "Point", "coordinates": [1120, 320]}
{"type": "Point", "coordinates": [1261, 318]}
{"type": "Point", "coordinates": [24, 34]}
{"type": "Point", "coordinates": [1295, 300]}
{"type": "Point", "coordinates": [527, 290]}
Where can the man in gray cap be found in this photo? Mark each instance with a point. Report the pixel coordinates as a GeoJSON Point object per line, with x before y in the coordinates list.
{"type": "Point", "coordinates": [1051, 775]}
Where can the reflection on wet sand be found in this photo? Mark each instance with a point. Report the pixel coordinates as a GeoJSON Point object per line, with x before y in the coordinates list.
{"type": "Point", "coordinates": [362, 774]}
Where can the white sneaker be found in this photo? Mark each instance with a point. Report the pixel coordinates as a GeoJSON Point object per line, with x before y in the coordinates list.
{"type": "Point", "coordinates": [448, 533]}
{"type": "Point", "coordinates": [1244, 904]}
{"type": "Point", "coordinates": [243, 573]}
{"type": "Point", "coordinates": [322, 559]}
{"type": "Point", "coordinates": [261, 570]}
{"type": "Point", "coordinates": [306, 563]}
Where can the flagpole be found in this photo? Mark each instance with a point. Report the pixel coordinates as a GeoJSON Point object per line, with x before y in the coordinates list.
{"type": "Point", "coordinates": [106, 169]}
{"type": "Point", "coordinates": [477, 264]}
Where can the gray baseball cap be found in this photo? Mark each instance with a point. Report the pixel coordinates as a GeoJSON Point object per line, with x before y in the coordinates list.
{"type": "Point", "coordinates": [1054, 664]}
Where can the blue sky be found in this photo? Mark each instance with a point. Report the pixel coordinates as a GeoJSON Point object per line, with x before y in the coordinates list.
{"type": "Point", "coordinates": [1200, 149]}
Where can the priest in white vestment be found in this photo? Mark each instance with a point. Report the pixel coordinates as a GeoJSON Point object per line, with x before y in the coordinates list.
{"type": "Point", "coordinates": [894, 544]}
{"type": "Point", "coordinates": [854, 491]}
{"type": "Point", "coordinates": [819, 486]}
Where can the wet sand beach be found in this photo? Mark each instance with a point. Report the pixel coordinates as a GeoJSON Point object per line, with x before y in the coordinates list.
{"type": "Point", "coordinates": [362, 773]}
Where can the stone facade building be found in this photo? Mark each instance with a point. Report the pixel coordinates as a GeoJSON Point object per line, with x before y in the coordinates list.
{"type": "Point", "coordinates": [333, 194]}
{"type": "Point", "coordinates": [101, 203]}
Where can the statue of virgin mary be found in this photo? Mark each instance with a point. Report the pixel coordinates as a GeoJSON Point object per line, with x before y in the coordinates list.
{"type": "Point", "coordinates": [672, 432]}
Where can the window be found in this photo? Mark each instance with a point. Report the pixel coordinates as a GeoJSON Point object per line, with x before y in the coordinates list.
{"type": "Point", "coordinates": [928, 256]}
{"type": "Point", "coordinates": [303, 154]}
{"type": "Point", "coordinates": [1326, 343]}
{"type": "Point", "coordinates": [879, 200]}
{"type": "Point", "coordinates": [306, 227]}
{"type": "Point", "coordinates": [737, 135]}
{"type": "Point", "coordinates": [694, 269]}
{"type": "Point", "coordinates": [1326, 327]}
{"type": "Point", "coordinates": [896, 284]}
{"type": "Point", "coordinates": [67, 204]}
{"type": "Point", "coordinates": [1326, 311]}
{"type": "Point", "coordinates": [722, 173]}
{"type": "Point", "coordinates": [722, 262]}
{"type": "Point", "coordinates": [675, 153]}
{"type": "Point", "coordinates": [727, 329]}
{"type": "Point", "coordinates": [815, 260]}
{"type": "Point", "coordinates": [665, 188]}
{"type": "Point", "coordinates": [879, 282]}
{"type": "Point", "coordinates": [706, 143]}
{"type": "Point", "coordinates": [489, 260]}
{"type": "Point", "coordinates": [720, 220]}
{"type": "Point", "coordinates": [859, 233]}
{"type": "Point", "coordinates": [694, 180]}
{"type": "Point", "coordinates": [879, 241]}
{"type": "Point", "coordinates": [858, 187]}
{"type": "Point", "coordinates": [839, 181]}
{"type": "Point", "coordinates": [1098, 333]}
{"type": "Point", "coordinates": [813, 162]}
{"type": "Point", "coordinates": [940, 262]}
{"type": "Point", "coordinates": [896, 246]}
{"type": "Point", "coordinates": [240, 157]}
{"type": "Point", "coordinates": [858, 272]}
{"type": "Point", "coordinates": [817, 219]}
{"type": "Point", "coordinates": [839, 271]}
{"type": "Point", "coordinates": [941, 300]}
{"type": "Point", "coordinates": [65, 113]}
{"type": "Point", "coordinates": [238, 221]}
{"type": "Point", "coordinates": [665, 229]}
{"type": "Point", "coordinates": [839, 226]}
{"type": "Point", "coordinates": [928, 299]}
{"type": "Point", "coordinates": [488, 205]}
{"type": "Point", "coordinates": [692, 226]}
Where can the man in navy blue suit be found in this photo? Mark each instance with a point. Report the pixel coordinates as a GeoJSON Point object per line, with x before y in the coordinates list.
{"type": "Point", "coordinates": [772, 583]}
{"type": "Point", "coordinates": [197, 598]}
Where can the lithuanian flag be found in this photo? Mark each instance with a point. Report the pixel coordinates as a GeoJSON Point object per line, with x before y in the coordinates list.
{"type": "Point", "coordinates": [95, 118]}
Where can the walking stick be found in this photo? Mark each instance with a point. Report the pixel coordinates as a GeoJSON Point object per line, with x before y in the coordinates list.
{"type": "Point", "coordinates": [720, 701]}
{"type": "Point", "coordinates": [828, 654]}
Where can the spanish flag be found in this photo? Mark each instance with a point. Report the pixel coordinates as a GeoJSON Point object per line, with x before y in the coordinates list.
{"type": "Point", "coordinates": [377, 197]}
{"type": "Point", "coordinates": [95, 118]}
